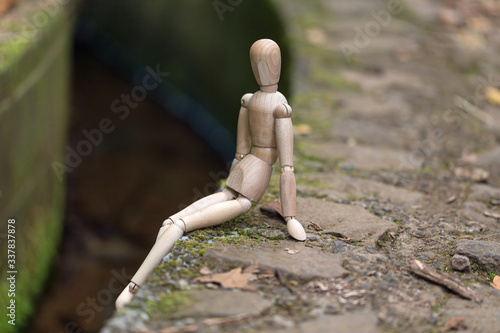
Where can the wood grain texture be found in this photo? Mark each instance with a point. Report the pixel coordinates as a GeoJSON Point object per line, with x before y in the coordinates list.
{"type": "Point", "coordinates": [217, 214]}
{"type": "Point", "coordinates": [159, 250]}
{"type": "Point", "coordinates": [282, 111]}
{"type": "Point", "coordinates": [264, 134]}
{"type": "Point", "coordinates": [265, 57]}
{"type": "Point", "coordinates": [261, 118]}
{"type": "Point", "coordinates": [287, 193]}
{"type": "Point", "coordinates": [268, 155]}
{"type": "Point", "coordinates": [284, 140]}
{"type": "Point", "coordinates": [202, 203]}
{"type": "Point", "coordinates": [250, 177]}
{"type": "Point", "coordinates": [296, 230]}
{"type": "Point", "coordinates": [243, 139]}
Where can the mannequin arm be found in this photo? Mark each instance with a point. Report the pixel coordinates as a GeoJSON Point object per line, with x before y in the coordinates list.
{"type": "Point", "coordinates": [243, 139]}
{"type": "Point", "coordinates": [284, 141]}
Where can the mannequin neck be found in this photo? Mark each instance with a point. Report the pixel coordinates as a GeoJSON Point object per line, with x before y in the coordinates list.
{"type": "Point", "coordinates": [270, 88]}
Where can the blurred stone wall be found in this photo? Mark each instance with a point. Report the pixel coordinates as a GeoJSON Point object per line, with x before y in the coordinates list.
{"type": "Point", "coordinates": [35, 51]}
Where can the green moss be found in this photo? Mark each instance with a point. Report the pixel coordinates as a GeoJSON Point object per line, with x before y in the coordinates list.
{"type": "Point", "coordinates": [167, 303]}
{"type": "Point", "coordinates": [331, 79]}
{"type": "Point", "coordinates": [311, 182]}
{"type": "Point", "coordinates": [11, 51]}
{"type": "Point", "coordinates": [439, 303]}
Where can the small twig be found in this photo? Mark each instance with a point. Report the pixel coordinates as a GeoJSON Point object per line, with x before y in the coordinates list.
{"type": "Point", "coordinates": [451, 199]}
{"type": "Point", "coordinates": [230, 320]}
{"type": "Point", "coordinates": [486, 236]}
{"type": "Point", "coordinates": [444, 280]}
{"type": "Point", "coordinates": [346, 240]}
{"type": "Point", "coordinates": [418, 236]}
{"type": "Point", "coordinates": [314, 226]}
{"type": "Point", "coordinates": [493, 215]}
{"type": "Point", "coordinates": [282, 280]}
{"type": "Point", "coordinates": [473, 110]}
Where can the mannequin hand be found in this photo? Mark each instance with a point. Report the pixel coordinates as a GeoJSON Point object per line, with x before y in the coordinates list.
{"type": "Point", "coordinates": [295, 229]}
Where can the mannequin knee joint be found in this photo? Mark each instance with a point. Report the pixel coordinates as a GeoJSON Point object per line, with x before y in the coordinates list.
{"type": "Point", "coordinates": [245, 204]}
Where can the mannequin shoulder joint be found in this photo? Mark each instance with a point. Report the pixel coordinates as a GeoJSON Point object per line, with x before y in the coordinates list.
{"type": "Point", "coordinates": [282, 111]}
{"type": "Point", "coordinates": [245, 100]}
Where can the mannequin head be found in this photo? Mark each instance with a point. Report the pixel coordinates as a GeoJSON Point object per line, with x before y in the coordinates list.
{"type": "Point", "coordinates": [265, 58]}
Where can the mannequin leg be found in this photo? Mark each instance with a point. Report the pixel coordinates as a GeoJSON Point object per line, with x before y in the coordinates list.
{"type": "Point", "coordinates": [196, 206]}
{"type": "Point", "coordinates": [212, 215]}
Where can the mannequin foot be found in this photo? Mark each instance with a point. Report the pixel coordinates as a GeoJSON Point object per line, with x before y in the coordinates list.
{"type": "Point", "coordinates": [296, 230]}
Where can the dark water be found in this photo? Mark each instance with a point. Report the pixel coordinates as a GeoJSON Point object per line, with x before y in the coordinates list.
{"type": "Point", "coordinates": [139, 170]}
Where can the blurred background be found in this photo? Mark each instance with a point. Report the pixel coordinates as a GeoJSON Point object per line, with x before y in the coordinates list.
{"type": "Point", "coordinates": [113, 116]}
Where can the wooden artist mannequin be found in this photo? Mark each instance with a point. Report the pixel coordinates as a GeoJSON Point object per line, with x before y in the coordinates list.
{"type": "Point", "coordinates": [264, 133]}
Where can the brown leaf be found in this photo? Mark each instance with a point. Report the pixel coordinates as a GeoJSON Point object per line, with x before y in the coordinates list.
{"type": "Point", "coordinates": [452, 323]}
{"type": "Point", "coordinates": [272, 207]}
{"type": "Point", "coordinates": [461, 173]}
{"type": "Point", "coordinates": [347, 240]}
{"type": "Point", "coordinates": [451, 199]}
{"type": "Point", "coordinates": [234, 279]}
{"type": "Point", "coordinates": [467, 237]}
{"type": "Point", "coordinates": [316, 36]}
{"type": "Point", "coordinates": [289, 251]}
{"type": "Point", "coordinates": [302, 129]}
{"type": "Point", "coordinates": [268, 272]}
{"type": "Point", "coordinates": [252, 269]}
{"type": "Point", "coordinates": [496, 282]}
{"type": "Point", "coordinates": [479, 175]}
{"type": "Point", "coordinates": [5, 5]}
{"type": "Point", "coordinates": [493, 95]}
{"type": "Point", "coordinates": [205, 270]}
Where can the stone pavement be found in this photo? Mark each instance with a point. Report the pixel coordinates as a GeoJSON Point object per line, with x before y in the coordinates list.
{"type": "Point", "coordinates": [402, 163]}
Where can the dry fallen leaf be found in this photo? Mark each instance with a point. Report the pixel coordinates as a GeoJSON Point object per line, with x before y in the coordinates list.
{"type": "Point", "coordinates": [452, 323]}
{"type": "Point", "coordinates": [461, 173]}
{"type": "Point", "coordinates": [471, 39]}
{"type": "Point", "coordinates": [496, 282]}
{"type": "Point", "coordinates": [479, 175]}
{"type": "Point", "coordinates": [252, 269]}
{"type": "Point", "coordinates": [451, 199]}
{"type": "Point", "coordinates": [316, 36]}
{"type": "Point", "coordinates": [302, 129]}
{"type": "Point", "coordinates": [493, 95]}
{"type": "Point", "coordinates": [234, 279]}
{"type": "Point", "coordinates": [205, 270]}
{"type": "Point", "coordinates": [289, 251]}
{"type": "Point", "coordinates": [5, 5]}
{"type": "Point", "coordinates": [479, 24]}
{"type": "Point", "coordinates": [268, 272]}
{"type": "Point", "coordinates": [468, 158]}
{"type": "Point", "coordinates": [272, 207]}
